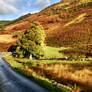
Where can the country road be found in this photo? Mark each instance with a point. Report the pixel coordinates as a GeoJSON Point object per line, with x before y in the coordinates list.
{"type": "Point", "coordinates": [11, 81]}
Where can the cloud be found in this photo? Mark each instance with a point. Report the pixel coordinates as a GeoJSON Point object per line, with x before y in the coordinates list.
{"type": "Point", "coordinates": [11, 1]}
{"type": "Point", "coordinates": [7, 7]}
{"type": "Point", "coordinates": [42, 3]}
{"type": "Point", "coordinates": [35, 11]}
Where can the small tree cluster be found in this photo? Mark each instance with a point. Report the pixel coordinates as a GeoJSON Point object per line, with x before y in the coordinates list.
{"type": "Point", "coordinates": [32, 42]}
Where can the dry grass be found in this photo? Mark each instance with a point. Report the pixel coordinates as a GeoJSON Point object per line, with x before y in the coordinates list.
{"type": "Point", "coordinates": [77, 20]}
{"type": "Point", "coordinates": [6, 38]}
{"type": "Point", "coordinates": [10, 27]}
{"type": "Point", "coordinates": [6, 41]}
{"type": "Point", "coordinates": [75, 74]}
{"type": "Point", "coordinates": [70, 74]}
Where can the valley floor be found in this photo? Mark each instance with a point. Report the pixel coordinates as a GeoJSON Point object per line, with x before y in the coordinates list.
{"type": "Point", "coordinates": [76, 76]}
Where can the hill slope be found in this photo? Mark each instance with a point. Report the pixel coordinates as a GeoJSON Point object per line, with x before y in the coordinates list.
{"type": "Point", "coordinates": [66, 23]}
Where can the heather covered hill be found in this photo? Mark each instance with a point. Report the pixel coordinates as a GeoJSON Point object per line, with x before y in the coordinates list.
{"type": "Point", "coordinates": [52, 47]}
{"type": "Point", "coordinates": [66, 23]}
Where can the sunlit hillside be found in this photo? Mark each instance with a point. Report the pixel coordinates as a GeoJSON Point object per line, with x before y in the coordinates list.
{"type": "Point", "coordinates": [66, 23]}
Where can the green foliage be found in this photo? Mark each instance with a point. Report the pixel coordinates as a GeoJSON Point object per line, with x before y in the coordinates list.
{"type": "Point", "coordinates": [52, 52]}
{"type": "Point", "coordinates": [2, 28]}
{"type": "Point", "coordinates": [10, 60]}
{"type": "Point", "coordinates": [32, 42]}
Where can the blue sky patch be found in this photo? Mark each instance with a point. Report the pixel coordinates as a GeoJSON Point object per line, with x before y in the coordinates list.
{"type": "Point", "coordinates": [12, 9]}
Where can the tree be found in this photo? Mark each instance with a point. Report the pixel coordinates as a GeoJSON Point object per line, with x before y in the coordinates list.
{"type": "Point", "coordinates": [32, 42]}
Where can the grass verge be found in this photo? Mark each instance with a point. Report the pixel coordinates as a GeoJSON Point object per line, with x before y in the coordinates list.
{"type": "Point", "coordinates": [20, 66]}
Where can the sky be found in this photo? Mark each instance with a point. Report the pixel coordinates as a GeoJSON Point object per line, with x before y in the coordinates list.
{"type": "Point", "coordinates": [12, 9]}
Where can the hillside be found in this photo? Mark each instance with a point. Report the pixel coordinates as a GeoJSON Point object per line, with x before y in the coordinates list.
{"type": "Point", "coordinates": [66, 23]}
{"type": "Point", "coordinates": [4, 22]}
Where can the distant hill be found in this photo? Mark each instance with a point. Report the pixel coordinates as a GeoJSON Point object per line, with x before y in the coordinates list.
{"type": "Point", "coordinates": [17, 20]}
{"type": "Point", "coordinates": [4, 22]}
{"type": "Point", "coordinates": [67, 23]}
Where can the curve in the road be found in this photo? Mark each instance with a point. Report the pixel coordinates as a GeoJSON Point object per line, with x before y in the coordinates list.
{"type": "Point", "coordinates": [11, 81]}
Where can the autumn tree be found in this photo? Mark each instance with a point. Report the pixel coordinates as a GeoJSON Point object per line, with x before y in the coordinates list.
{"type": "Point", "coordinates": [32, 42]}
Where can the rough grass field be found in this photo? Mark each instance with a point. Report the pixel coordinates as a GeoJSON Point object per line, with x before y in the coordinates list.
{"type": "Point", "coordinates": [70, 74]}
{"type": "Point", "coordinates": [75, 74]}
{"type": "Point", "coordinates": [21, 66]}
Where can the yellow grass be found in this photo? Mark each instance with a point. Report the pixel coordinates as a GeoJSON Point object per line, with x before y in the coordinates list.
{"type": "Point", "coordinates": [81, 75]}
{"type": "Point", "coordinates": [85, 1]}
{"type": "Point", "coordinates": [77, 20]}
{"type": "Point", "coordinates": [6, 38]}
